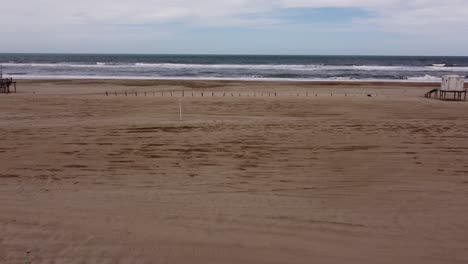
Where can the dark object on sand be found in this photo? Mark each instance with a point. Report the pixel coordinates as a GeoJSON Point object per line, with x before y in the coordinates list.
{"type": "Point", "coordinates": [5, 85]}
{"type": "Point", "coordinates": [369, 95]}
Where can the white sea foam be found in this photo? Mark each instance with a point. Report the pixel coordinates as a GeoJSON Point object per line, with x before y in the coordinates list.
{"type": "Point", "coordinates": [379, 68]}
{"type": "Point", "coordinates": [49, 65]}
{"type": "Point", "coordinates": [67, 65]}
{"type": "Point", "coordinates": [425, 78]}
{"type": "Point", "coordinates": [341, 78]}
{"type": "Point", "coordinates": [451, 68]}
{"type": "Point", "coordinates": [296, 67]}
{"type": "Point", "coordinates": [229, 66]}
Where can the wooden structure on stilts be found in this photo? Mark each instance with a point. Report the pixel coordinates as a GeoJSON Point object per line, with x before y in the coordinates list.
{"type": "Point", "coordinates": [451, 85]}
{"type": "Point", "coordinates": [6, 83]}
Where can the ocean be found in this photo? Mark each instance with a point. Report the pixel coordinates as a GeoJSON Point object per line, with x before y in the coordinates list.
{"type": "Point", "coordinates": [232, 67]}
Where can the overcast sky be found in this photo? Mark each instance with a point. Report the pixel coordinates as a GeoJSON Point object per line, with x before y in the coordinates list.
{"type": "Point", "coordinates": [387, 27]}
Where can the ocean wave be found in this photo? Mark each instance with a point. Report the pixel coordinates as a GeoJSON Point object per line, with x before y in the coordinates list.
{"type": "Point", "coordinates": [112, 64]}
{"type": "Point", "coordinates": [291, 67]}
{"type": "Point", "coordinates": [378, 68]}
{"type": "Point", "coordinates": [428, 78]}
{"type": "Point", "coordinates": [341, 78]}
{"type": "Point", "coordinates": [425, 78]}
{"type": "Point", "coordinates": [18, 73]}
{"type": "Point", "coordinates": [443, 65]}
{"type": "Point", "coordinates": [448, 68]}
{"type": "Point", "coordinates": [67, 65]}
{"type": "Point", "coordinates": [230, 66]}
{"type": "Point", "coordinates": [50, 65]}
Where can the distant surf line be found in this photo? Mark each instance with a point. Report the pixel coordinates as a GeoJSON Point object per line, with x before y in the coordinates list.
{"type": "Point", "coordinates": [429, 79]}
{"type": "Point", "coordinates": [298, 67]}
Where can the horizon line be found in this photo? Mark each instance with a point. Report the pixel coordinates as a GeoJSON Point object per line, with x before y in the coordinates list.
{"type": "Point", "coordinates": [224, 54]}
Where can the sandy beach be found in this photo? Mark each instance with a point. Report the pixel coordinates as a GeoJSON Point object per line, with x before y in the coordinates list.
{"type": "Point", "coordinates": [256, 172]}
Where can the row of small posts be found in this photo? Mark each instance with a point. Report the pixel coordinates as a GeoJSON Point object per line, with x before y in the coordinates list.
{"type": "Point", "coordinates": [214, 94]}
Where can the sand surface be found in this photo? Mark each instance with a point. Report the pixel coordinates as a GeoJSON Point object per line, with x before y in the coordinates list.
{"type": "Point", "coordinates": [246, 177]}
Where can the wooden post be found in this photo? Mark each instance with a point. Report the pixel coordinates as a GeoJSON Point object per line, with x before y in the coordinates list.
{"type": "Point", "coordinates": [180, 109]}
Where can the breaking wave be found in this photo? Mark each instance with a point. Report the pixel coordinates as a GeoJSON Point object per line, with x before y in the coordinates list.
{"type": "Point", "coordinates": [230, 67]}
{"type": "Point", "coordinates": [426, 78]}
{"type": "Point", "coordinates": [297, 67]}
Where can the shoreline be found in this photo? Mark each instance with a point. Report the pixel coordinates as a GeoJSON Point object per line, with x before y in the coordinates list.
{"type": "Point", "coordinates": [204, 78]}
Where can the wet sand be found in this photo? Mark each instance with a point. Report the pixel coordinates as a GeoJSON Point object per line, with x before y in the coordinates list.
{"type": "Point", "coordinates": [255, 173]}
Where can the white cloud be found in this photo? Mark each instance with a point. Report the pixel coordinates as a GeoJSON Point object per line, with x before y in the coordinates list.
{"type": "Point", "coordinates": [388, 12]}
{"type": "Point", "coordinates": [71, 18]}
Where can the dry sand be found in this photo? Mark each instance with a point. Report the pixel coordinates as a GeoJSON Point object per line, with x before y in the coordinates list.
{"type": "Point", "coordinates": [90, 178]}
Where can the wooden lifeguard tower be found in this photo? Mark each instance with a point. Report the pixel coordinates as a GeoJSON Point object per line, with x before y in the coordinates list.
{"type": "Point", "coordinates": [451, 85]}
